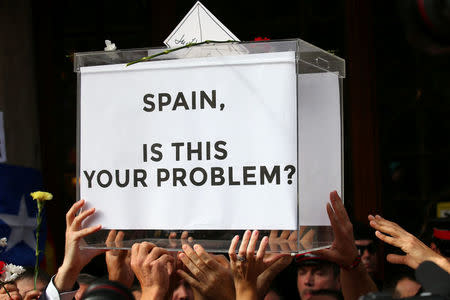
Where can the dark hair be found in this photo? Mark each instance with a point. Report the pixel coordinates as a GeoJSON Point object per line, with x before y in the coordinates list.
{"type": "Point", "coordinates": [29, 274]}
{"type": "Point", "coordinates": [107, 290]}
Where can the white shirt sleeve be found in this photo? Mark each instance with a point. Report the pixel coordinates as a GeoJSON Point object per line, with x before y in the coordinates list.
{"type": "Point", "coordinates": [51, 293]}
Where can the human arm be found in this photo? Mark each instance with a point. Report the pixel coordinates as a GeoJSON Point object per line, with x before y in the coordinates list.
{"type": "Point", "coordinates": [75, 258]}
{"type": "Point", "coordinates": [416, 251]}
{"type": "Point", "coordinates": [118, 261]}
{"type": "Point", "coordinates": [355, 281]}
{"type": "Point", "coordinates": [153, 267]}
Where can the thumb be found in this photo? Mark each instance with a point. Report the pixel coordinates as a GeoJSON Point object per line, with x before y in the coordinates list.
{"type": "Point", "coordinates": [401, 259]}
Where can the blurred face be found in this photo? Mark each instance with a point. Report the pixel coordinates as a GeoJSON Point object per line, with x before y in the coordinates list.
{"type": "Point", "coordinates": [25, 285]}
{"type": "Point", "coordinates": [316, 277]}
{"type": "Point", "coordinates": [368, 254]}
{"type": "Point", "coordinates": [183, 291]}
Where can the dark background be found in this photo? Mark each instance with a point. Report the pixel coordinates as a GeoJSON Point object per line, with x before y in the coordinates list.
{"type": "Point", "coordinates": [396, 94]}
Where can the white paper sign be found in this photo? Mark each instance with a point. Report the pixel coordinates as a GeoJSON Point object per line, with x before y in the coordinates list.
{"type": "Point", "coordinates": [2, 140]}
{"type": "Point", "coordinates": [206, 143]}
{"type": "Point", "coordinates": [197, 26]}
{"type": "Point", "coordinates": [319, 145]}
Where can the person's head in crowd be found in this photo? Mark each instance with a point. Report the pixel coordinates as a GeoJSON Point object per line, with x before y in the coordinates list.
{"type": "Point", "coordinates": [84, 280]}
{"type": "Point", "coordinates": [315, 273]}
{"type": "Point", "coordinates": [440, 240]}
{"type": "Point", "coordinates": [183, 291]}
{"type": "Point", "coordinates": [367, 246]}
{"type": "Point", "coordinates": [325, 294]}
{"type": "Point", "coordinates": [107, 290]}
{"type": "Point", "coordinates": [406, 287]}
{"type": "Point", "coordinates": [25, 282]}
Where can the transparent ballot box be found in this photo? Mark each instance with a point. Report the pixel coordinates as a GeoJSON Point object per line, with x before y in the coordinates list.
{"type": "Point", "coordinates": [198, 144]}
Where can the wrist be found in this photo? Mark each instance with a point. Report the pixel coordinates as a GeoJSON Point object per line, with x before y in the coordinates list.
{"type": "Point", "coordinates": [66, 278]}
{"type": "Point", "coordinates": [69, 268]}
{"type": "Point", "coordinates": [349, 257]}
{"type": "Point", "coordinates": [244, 284]}
{"type": "Point", "coordinates": [150, 293]}
{"type": "Point", "coordinates": [248, 292]}
{"type": "Point", "coordinates": [353, 264]}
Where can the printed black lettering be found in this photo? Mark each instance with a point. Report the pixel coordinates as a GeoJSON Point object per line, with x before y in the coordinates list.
{"type": "Point", "coordinates": [127, 178]}
{"type": "Point", "coordinates": [275, 174]}
{"type": "Point", "coordinates": [248, 176]}
{"type": "Point", "coordinates": [149, 102]}
{"type": "Point", "coordinates": [155, 150]}
{"type": "Point", "coordinates": [108, 176]}
{"type": "Point", "coordinates": [220, 148]}
{"type": "Point", "coordinates": [89, 177]}
{"type": "Point", "coordinates": [162, 175]}
{"type": "Point", "coordinates": [140, 176]}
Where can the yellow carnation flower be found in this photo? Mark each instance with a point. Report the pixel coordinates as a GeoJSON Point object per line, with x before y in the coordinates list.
{"type": "Point", "coordinates": [41, 196]}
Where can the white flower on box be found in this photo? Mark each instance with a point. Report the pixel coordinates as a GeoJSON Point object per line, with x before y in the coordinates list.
{"type": "Point", "coordinates": [3, 242]}
{"type": "Point", "coordinates": [110, 46]}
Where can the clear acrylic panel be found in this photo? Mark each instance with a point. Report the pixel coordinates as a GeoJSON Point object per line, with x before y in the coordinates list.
{"type": "Point", "coordinates": [308, 60]}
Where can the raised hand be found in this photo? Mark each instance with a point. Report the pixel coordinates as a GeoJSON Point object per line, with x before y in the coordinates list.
{"type": "Point", "coordinates": [416, 251]}
{"type": "Point", "coordinates": [210, 276]}
{"type": "Point", "coordinates": [75, 258]}
{"type": "Point", "coordinates": [246, 266]}
{"type": "Point", "coordinates": [254, 273]}
{"type": "Point", "coordinates": [343, 250]}
{"type": "Point", "coordinates": [118, 261]}
{"type": "Point", "coordinates": [153, 267]}
{"type": "Point", "coordinates": [355, 281]}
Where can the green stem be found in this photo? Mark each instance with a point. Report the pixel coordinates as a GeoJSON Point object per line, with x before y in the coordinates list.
{"type": "Point", "coordinates": [3, 286]}
{"type": "Point", "coordinates": [147, 58]}
{"type": "Point", "coordinates": [38, 229]}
